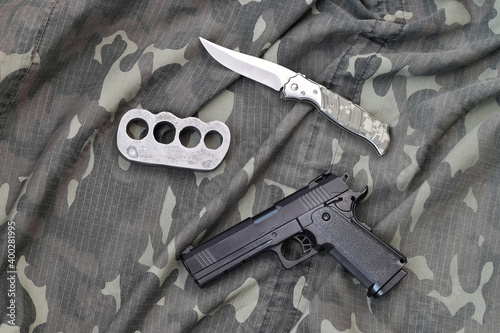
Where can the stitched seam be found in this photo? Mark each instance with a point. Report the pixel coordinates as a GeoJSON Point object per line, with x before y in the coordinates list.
{"type": "Point", "coordinates": [36, 47]}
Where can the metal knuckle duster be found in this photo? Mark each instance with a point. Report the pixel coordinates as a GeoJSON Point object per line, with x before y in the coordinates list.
{"type": "Point", "coordinates": [164, 139]}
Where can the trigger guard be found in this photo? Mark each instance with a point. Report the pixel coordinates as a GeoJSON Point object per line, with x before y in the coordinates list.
{"type": "Point", "coordinates": [285, 262]}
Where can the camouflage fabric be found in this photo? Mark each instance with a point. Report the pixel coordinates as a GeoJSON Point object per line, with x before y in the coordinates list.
{"type": "Point", "coordinates": [89, 241]}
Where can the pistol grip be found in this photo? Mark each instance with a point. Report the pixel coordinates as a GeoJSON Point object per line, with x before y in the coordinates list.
{"type": "Point", "coordinates": [376, 264]}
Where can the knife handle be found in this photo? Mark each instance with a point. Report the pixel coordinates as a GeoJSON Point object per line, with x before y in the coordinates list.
{"type": "Point", "coordinates": [340, 111]}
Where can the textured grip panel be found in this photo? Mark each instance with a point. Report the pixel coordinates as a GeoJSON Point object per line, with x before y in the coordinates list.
{"type": "Point", "coordinates": [372, 261]}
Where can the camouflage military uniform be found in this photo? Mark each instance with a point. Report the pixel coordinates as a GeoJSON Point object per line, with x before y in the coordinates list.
{"type": "Point", "coordinates": [94, 238]}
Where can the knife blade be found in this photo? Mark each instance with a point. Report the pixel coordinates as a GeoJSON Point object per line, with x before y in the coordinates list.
{"type": "Point", "coordinates": [341, 111]}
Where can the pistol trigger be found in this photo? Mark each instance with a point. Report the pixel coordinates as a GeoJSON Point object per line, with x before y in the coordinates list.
{"type": "Point", "coordinates": [304, 242]}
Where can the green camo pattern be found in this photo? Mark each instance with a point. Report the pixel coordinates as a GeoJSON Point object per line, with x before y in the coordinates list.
{"type": "Point", "coordinates": [97, 238]}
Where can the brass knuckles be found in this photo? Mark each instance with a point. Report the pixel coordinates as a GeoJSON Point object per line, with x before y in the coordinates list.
{"type": "Point", "coordinates": [164, 139]}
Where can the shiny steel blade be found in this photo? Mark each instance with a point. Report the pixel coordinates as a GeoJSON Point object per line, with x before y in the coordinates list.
{"type": "Point", "coordinates": [260, 70]}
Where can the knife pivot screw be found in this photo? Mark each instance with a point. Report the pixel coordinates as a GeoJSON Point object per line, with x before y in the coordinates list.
{"type": "Point", "coordinates": [295, 87]}
{"type": "Point", "coordinates": [325, 217]}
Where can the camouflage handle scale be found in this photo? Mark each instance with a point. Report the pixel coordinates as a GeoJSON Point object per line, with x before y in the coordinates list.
{"type": "Point", "coordinates": [340, 111]}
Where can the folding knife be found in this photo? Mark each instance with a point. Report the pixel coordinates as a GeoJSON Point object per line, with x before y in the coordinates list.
{"type": "Point", "coordinates": [338, 109]}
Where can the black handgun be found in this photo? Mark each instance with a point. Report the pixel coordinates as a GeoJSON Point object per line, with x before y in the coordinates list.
{"type": "Point", "coordinates": [319, 216]}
